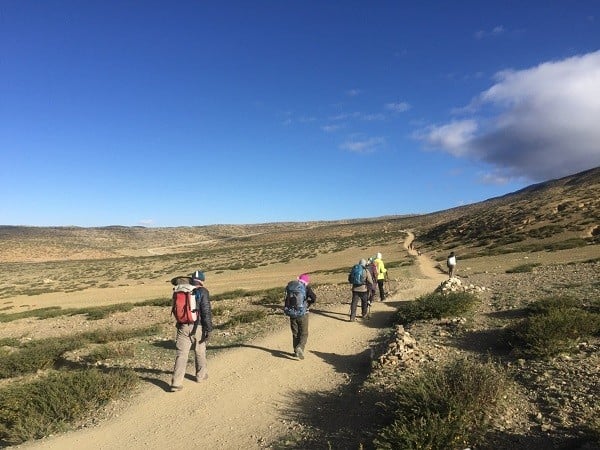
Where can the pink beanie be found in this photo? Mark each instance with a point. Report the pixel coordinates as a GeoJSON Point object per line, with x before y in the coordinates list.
{"type": "Point", "coordinates": [304, 278]}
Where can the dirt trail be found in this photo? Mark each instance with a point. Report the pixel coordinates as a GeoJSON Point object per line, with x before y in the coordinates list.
{"type": "Point", "coordinates": [249, 396]}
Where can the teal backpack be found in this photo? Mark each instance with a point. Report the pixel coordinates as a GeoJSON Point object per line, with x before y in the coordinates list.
{"type": "Point", "coordinates": [357, 275]}
{"type": "Point", "coordinates": [295, 299]}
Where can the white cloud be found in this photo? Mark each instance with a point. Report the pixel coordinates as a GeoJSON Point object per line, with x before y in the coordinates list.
{"type": "Point", "coordinates": [496, 31]}
{"type": "Point", "coordinates": [331, 128]}
{"type": "Point", "coordinates": [146, 222]}
{"type": "Point", "coordinates": [397, 107]}
{"type": "Point", "coordinates": [353, 92]}
{"type": "Point", "coordinates": [453, 137]}
{"type": "Point", "coordinates": [539, 123]}
{"type": "Point", "coordinates": [363, 146]}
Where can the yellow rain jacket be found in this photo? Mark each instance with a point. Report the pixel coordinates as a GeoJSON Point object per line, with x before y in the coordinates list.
{"type": "Point", "coordinates": [381, 270]}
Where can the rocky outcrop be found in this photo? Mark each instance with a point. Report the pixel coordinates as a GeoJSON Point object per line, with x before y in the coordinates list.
{"type": "Point", "coordinates": [455, 284]}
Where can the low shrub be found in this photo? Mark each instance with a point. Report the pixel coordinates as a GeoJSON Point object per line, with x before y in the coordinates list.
{"type": "Point", "coordinates": [435, 306]}
{"type": "Point", "coordinates": [271, 296]}
{"type": "Point", "coordinates": [48, 405]}
{"type": "Point", "coordinates": [102, 312]}
{"type": "Point", "coordinates": [554, 331]}
{"type": "Point", "coordinates": [445, 407]}
{"type": "Point", "coordinates": [230, 294]}
{"type": "Point", "coordinates": [547, 304]}
{"type": "Point", "coordinates": [109, 351]}
{"type": "Point", "coordinates": [47, 353]}
{"type": "Point", "coordinates": [523, 268]}
{"type": "Point", "coordinates": [245, 317]}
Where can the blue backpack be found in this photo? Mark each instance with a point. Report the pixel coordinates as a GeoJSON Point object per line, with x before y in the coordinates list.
{"type": "Point", "coordinates": [295, 299]}
{"type": "Point", "coordinates": [357, 275]}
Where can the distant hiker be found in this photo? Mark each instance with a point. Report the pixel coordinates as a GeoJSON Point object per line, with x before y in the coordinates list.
{"type": "Point", "coordinates": [192, 311]}
{"type": "Point", "coordinates": [372, 268]}
{"type": "Point", "coordinates": [381, 276]}
{"type": "Point", "coordinates": [451, 263]}
{"type": "Point", "coordinates": [361, 281]}
{"type": "Point", "coordinates": [299, 296]}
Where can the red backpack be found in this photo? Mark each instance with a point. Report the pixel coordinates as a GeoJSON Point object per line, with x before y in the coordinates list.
{"type": "Point", "coordinates": [184, 307]}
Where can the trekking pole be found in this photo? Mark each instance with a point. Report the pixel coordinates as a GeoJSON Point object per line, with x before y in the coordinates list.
{"type": "Point", "coordinates": [387, 284]}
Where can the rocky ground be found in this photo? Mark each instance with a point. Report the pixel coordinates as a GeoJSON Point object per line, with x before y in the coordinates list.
{"type": "Point", "coordinates": [557, 399]}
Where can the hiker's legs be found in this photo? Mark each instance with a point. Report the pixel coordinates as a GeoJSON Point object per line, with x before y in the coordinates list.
{"type": "Point", "coordinates": [295, 326]}
{"type": "Point", "coordinates": [302, 331]}
{"type": "Point", "coordinates": [355, 299]}
{"type": "Point", "coordinates": [371, 294]}
{"type": "Point", "coordinates": [199, 348]}
{"type": "Point", "coordinates": [364, 305]}
{"type": "Point", "coordinates": [183, 343]}
{"type": "Point", "coordinates": [381, 291]}
{"type": "Point", "coordinates": [450, 271]}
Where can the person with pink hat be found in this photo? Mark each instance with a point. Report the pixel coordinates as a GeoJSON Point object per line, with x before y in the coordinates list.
{"type": "Point", "coordinates": [299, 296]}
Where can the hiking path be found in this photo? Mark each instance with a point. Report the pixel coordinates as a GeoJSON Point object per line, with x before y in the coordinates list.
{"type": "Point", "coordinates": [251, 397]}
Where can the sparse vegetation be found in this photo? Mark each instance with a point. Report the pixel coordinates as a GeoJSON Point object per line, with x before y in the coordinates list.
{"type": "Point", "coordinates": [435, 306]}
{"type": "Point", "coordinates": [555, 325]}
{"type": "Point", "coordinates": [523, 268]}
{"type": "Point", "coordinates": [47, 353]}
{"type": "Point", "coordinates": [443, 406]}
{"type": "Point", "coordinates": [447, 407]}
{"type": "Point", "coordinates": [245, 317]}
{"type": "Point", "coordinates": [50, 404]}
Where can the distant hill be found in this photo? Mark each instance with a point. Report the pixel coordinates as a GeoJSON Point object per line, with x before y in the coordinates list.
{"type": "Point", "coordinates": [559, 212]}
{"type": "Point", "coordinates": [563, 212]}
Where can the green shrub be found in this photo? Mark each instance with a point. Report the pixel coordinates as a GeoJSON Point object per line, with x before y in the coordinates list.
{"type": "Point", "coordinates": [102, 312]}
{"type": "Point", "coordinates": [109, 351]}
{"type": "Point", "coordinates": [435, 306]}
{"type": "Point", "coordinates": [9, 342]}
{"type": "Point", "coordinates": [546, 304]}
{"type": "Point", "coordinates": [445, 407]}
{"type": "Point", "coordinates": [34, 356]}
{"type": "Point", "coordinates": [246, 317]}
{"type": "Point", "coordinates": [230, 294]}
{"type": "Point", "coordinates": [35, 409]}
{"type": "Point", "coordinates": [555, 331]}
{"type": "Point", "coordinates": [271, 296]}
{"type": "Point", "coordinates": [160, 301]}
{"type": "Point", "coordinates": [523, 268]}
{"type": "Point", "coordinates": [47, 353]}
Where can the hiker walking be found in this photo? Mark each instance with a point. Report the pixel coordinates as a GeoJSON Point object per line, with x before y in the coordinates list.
{"type": "Point", "coordinates": [451, 263]}
{"type": "Point", "coordinates": [194, 325]}
{"type": "Point", "coordinates": [361, 281]}
{"type": "Point", "coordinates": [298, 299]}
{"type": "Point", "coordinates": [381, 276]}
{"type": "Point", "coordinates": [372, 268]}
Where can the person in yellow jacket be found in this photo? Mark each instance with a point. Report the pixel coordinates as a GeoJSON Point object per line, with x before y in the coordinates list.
{"type": "Point", "coordinates": [381, 275]}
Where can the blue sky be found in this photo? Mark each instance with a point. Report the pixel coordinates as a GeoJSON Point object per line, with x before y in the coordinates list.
{"type": "Point", "coordinates": [163, 113]}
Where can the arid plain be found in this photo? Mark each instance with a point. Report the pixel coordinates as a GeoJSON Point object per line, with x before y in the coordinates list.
{"type": "Point", "coordinates": [551, 229]}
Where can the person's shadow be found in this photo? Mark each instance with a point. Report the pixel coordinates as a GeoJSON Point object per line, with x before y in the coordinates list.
{"type": "Point", "coordinates": [273, 352]}
{"type": "Point", "coordinates": [331, 315]}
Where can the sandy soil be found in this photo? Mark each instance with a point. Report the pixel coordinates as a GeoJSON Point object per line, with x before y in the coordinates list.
{"type": "Point", "coordinates": [247, 402]}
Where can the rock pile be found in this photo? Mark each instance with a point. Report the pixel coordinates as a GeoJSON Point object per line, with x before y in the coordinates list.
{"type": "Point", "coordinates": [402, 350]}
{"type": "Point", "coordinates": [454, 284]}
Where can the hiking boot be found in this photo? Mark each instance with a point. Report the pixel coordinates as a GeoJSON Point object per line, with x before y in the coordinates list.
{"type": "Point", "coordinates": [200, 378]}
{"type": "Point", "coordinates": [176, 388]}
{"type": "Point", "coordinates": [299, 353]}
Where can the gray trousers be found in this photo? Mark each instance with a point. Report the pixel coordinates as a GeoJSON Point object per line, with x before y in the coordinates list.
{"type": "Point", "coordinates": [299, 328]}
{"type": "Point", "coordinates": [183, 343]}
{"type": "Point", "coordinates": [364, 305]}
{"type": "Point", "coordinates": [451, 268]}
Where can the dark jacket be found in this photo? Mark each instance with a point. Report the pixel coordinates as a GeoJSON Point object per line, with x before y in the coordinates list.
{"type": "Point", "coordinates": [203, 302]}
{"type": "Point", "coordinates": [311, 297]}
